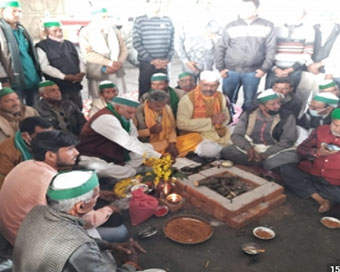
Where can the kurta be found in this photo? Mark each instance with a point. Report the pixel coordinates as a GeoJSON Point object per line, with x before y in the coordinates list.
{"type": "Point", "coordinates": [100, 48]}
{"type": "Point", "coordinates": [144, 133]}
{"type": "Point", "coordinates": [186, 123]}
{"type": "Point", "coordinates": [108, 126]}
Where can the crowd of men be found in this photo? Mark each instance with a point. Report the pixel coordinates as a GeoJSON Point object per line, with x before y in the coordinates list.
{"type": "Point", "coordinates": [55, 163]}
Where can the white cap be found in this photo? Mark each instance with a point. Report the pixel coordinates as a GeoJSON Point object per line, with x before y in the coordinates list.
{"type": "Point", "coordinates": [210, 76]}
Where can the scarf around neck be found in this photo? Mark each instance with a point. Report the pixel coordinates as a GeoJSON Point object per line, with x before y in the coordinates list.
{"type": "Point", "coordinates": [22, 146]}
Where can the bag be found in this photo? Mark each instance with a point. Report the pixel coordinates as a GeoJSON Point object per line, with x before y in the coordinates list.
{"type": "Point", "coordinates": [142, 207]}
{"type": "Point", "coordinates": [94, 71]}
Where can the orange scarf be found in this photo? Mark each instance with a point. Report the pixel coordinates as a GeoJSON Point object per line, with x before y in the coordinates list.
{"type": "Point", "coordinates": [165, 118]}
{"type": "Point", "coordinates": [207, 106]}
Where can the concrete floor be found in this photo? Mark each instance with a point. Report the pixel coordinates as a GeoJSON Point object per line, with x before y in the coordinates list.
{"type": "Point", "coordinates": [301, 243]}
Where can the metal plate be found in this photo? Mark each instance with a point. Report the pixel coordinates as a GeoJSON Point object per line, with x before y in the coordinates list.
{"type": "Point", "coordinates": [188, 229]}
{"type": "Point", "coordinates": [330, 222]}
{"type": "Point", "coordinates": [264, 233]}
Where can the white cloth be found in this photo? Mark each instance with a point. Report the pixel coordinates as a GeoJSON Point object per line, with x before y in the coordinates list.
{"type": "Point", "coordinates": [110, 127]}
{"type": "Point", "coordinates": [50, 70]}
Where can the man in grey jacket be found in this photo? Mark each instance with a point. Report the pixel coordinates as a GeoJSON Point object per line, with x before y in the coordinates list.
{"type": "Point", "coordinates": [53, 238]}
{"type": "Point", "coordinates": [245, 53]}
{"type": "Point", "coordinates": [265, 136]}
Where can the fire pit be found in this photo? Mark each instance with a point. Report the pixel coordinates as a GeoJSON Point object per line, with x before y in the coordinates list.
{"type": "Point", "coordinates": [226, 185]}
{"type": "Point", "coordinates": [253, 199]}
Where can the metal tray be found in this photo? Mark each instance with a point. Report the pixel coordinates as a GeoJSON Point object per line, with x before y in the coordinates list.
{"type": "Point", "coordinates": [188, 229]}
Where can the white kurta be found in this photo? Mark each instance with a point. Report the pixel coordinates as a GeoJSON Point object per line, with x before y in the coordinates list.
{"type": "Point", "coordinates": [109, 126]}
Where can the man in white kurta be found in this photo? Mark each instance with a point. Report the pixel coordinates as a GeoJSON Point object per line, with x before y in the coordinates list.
{"type": "Point", "coordinates": [104, 50]}
{"type": "Point", "coordinates": [204, 110]}
{"type": "Point", "coordinates": [109, 143]}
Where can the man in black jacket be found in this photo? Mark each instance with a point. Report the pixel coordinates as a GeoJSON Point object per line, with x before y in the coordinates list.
{"type": "Point", "coordinates": [61, 63]}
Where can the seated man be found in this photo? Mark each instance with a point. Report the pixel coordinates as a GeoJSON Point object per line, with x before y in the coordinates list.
{"type": "Point", "coordinates": [38, 245]}
{"type": "Point", "coordinates": [290, 101]}
{"type": "Point", "coordinates": [156, 123]}
{"type": "Point", "coordinates": [329, 86]}
{"type": "Point", "coordinates": [186, 82]}
{"type": "Point", "coordinates": [204, 110]}
{"type": "Point", "coordinates": [107, 91]}
{"type": "Point", "coordinates": [109, 143]}
{"type": "Point", "coordinates": [265, 136]}
{"type": "Point", "coordinates": [319, 111]}
{"type": "Point", "coordinates": [160, 81]}
{"type": "Point", "coordinates": [318, 174]}
{"type": "Point", "coordinates": [12, 111]}
{"type": "Point", "coordinates": [18, 148]}
{"type": "Point", "coordinates": [63, 115]}
{"type": "Point", "coordinates": [26, 185]}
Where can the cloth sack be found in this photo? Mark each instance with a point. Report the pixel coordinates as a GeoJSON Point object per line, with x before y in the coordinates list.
{"type": "Point", "coordinates": [141, 207]}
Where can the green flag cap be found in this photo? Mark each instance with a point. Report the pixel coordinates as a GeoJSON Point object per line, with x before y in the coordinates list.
{"type": "Point", "coordinates": [48, 24]}
{"type": "Point", "coordinates": [5, 91]}
{"type": "Point", "coordinates": [335, 114]}
{"type": "Point", "coordinates": [267, 95]}
{"type": "Point", "coordinates": [13, 4]}
{"type": "Point", "coordinates": [125, 101]}
{"type": "Point", "coordinates": [46, 83]}
{"type": "Point", "coordinates": [159, 76]}
{"type": "Point", "coordinates": [106, 84]}
{"type": "Point", "coordinates": [184, 74]}
{"type": "Point", "coordinates": [72, 184]}
{"type": "Point", "coordinates": [327, 98]}
{"type": "Point", "coordinates": [327, 84]}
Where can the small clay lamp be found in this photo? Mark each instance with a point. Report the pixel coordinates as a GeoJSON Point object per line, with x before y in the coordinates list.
{"type": "Point", "coordinates": [174, 198]}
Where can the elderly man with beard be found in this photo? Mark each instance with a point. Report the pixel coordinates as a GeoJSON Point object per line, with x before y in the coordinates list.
{"type": "Point", "coordinates": [18, 148]}
{"type": "Point", "coordinates": [105, 52]}
{"type": "Point", "coordinates": [19, 65]}
{"type": "Point", "coordinates": [12, 111]}
{"type": "Point", "coordinates": [60, 62]}
{"type": "Point", "coordinates": [62, 114]}
{"type": "Point", "coordinates": [317, 176]}
{"type": "Point", "coordinates": [265, 136]}
{"type": "Point", "coordinates": [204, 111]}
{"type": "Point", "coordinates": [109, 143]}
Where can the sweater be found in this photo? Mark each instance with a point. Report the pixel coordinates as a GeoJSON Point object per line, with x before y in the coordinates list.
{"type": "Point", "coordinates": [153, 38]}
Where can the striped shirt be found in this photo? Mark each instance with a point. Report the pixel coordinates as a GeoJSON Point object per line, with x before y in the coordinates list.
{"type": "Point", "coordinates": [294, 46]}
{"type": "Point", "coordinates": [153, 38]}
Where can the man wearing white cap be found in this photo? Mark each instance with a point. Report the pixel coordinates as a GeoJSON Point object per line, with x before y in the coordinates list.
{"type": "Point", "coordinates": [319, 111]}
{"type": "Point", "coordinates": [60, 62]}
{"type": "Point", "coordinates": [329, 86]}
{"type": "Point", "coordinates": [52, 238]}
{"type": "Point", "coordinates": [19, 65]}
{"type": "Point", "coordinates": [265, 136]}
{"type": "Point", "coordinates": [107, 91]}
{"type": "Point", "coordinates": [105, 52]}
{"type": "Point", "coordinates": [160, 81]}
{"type": "Point", "coordinates": [109, 143]}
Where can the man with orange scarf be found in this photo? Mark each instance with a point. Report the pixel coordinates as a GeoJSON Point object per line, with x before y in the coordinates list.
{"type": "Point", "coordinates": [203, 110]}
{"type": "Point", "coordinates": [156, 123]}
